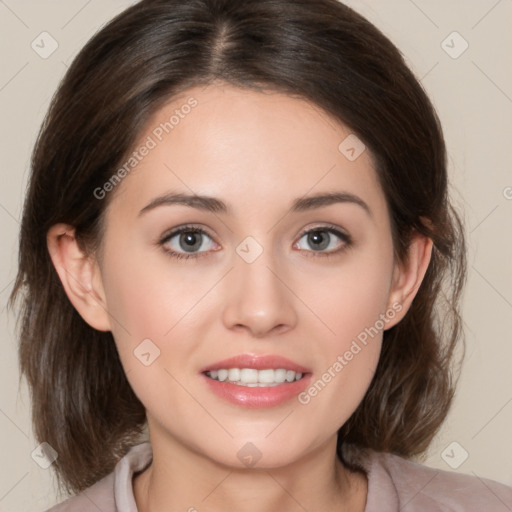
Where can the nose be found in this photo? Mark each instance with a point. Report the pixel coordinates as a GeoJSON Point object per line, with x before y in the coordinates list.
{"type": "Point", "coordinates": [259, 299]}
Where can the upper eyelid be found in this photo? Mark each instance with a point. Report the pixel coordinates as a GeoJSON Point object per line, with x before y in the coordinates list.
{"type": "Point", "coordinates": [187, 227]}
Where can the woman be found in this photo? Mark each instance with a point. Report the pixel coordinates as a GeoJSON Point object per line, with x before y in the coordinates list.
{"type": "Point", "coordinates": [238, 233]}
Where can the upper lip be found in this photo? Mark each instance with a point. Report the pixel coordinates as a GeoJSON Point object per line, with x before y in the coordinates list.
{"type": "Point", "coordinates": [258, 362]}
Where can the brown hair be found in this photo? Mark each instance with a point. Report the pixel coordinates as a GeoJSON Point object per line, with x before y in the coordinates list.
{"type": "Point", "coordinates": [319, 50]}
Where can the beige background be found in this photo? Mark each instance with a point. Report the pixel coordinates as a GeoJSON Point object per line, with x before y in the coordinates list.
{"type": "Point", "coordinates": [473, 95]}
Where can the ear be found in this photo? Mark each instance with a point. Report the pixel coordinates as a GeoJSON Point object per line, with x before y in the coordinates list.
{"type": "Point", "coordinates": [408, 276]}
{"type": "Point", "coordinates": [80, 276]}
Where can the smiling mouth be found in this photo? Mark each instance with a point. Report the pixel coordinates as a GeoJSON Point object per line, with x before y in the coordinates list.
{"type": "Point", "coordinates": [252, 378]}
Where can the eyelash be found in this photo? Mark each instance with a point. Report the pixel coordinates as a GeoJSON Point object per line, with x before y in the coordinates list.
{"type": "Point", "coordinates": [347, 239]}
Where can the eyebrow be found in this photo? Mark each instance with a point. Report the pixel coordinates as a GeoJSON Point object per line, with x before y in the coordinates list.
{"type": "Point", "coordinates": [214, 205]}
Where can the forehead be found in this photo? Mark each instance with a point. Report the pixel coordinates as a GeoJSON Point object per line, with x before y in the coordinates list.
{"type": "Point", "coordinates": [252, 148]}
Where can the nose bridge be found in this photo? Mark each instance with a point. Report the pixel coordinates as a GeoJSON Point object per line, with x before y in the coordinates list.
{"type": "Point", "coordinates": [258, 298]}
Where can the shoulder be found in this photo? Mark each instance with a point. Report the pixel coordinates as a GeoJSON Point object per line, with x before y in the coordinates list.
{"type": "Point", "coordinates": [415, 487]}
{"type": "Point", "coordinates": [99, 496]}
{"type": "Point", "coordinates": [114, 492]}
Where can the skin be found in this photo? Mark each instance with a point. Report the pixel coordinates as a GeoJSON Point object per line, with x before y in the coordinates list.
{"type": "Point", "coordinates": [257, 152]}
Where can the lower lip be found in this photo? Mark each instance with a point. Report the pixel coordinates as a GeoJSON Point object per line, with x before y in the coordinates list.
{"type": "Point", "coordinates": [257, 398]}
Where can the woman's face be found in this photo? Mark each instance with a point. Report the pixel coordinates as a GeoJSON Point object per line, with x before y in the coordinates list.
{"type": "Point", "coordinates": [256, 285]}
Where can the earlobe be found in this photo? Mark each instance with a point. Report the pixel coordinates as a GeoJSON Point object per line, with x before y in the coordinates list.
{"type": "Point", "coordinates": [79, 275]}
{"type": "Point", "coordinates": [408, 275]}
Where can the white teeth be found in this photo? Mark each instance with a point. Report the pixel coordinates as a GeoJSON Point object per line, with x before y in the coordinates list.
{"type": "Point", "coordinates": [233, 374]}
{"type": "Point", "coordinates": [290, 376]}
{"type": "Point", "coordinates": [248, 376]}
{"type": "Point", "coordinates": [251, 377]}
{"type": "Point", "coordinates": [280, 375]}
{"type": "Point", "coordinates": [266, 376]}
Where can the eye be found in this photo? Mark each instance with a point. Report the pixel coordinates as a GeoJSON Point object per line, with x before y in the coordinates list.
{"type": "Point", "coordinates": [185, 242]}
{"type": "Point", "coordinates": [323, 240]}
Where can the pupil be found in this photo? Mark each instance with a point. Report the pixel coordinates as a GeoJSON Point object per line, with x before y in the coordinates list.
{"type": "Point", "coordinates": [317, 238]}
{"type": "Point", "coordinates": [191, 241]}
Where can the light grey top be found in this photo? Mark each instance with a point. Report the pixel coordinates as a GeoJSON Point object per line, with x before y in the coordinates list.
{"type": "Point", "coordinates": [394, 484]}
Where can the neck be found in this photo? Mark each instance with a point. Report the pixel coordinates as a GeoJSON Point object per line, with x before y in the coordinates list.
{"type": "Point", "coordinates": [183, 479]}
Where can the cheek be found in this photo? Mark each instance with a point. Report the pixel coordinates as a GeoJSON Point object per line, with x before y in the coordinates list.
{"type": "Point", "coordinates": [153, 310]}
{"type": "Point", "coordinates": [353, 295]}
{"type": "Point", "coordinates": [350, 353]}
{"type": "Point", "coordinates": [148, 300]}
{"type": "Point", "coordinates": [355, 309]}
